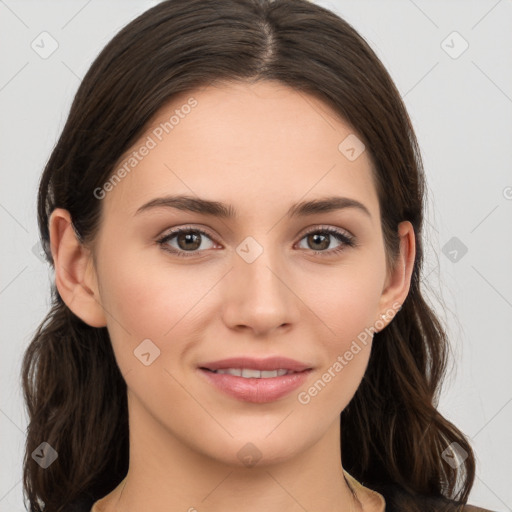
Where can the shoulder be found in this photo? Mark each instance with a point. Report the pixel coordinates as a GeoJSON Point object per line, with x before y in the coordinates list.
{"type": "Point", "coordinates": [445, 505]}
{"type": "Point", "coordinates": [437, 504]}
{"type": "Point", "coordinates": [474, 508]}
{"type": "Point", "coordinates": [399, 500]}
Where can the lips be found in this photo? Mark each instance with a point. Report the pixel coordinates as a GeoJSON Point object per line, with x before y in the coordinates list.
{"type": "Point", "coordinates": [255, 380]}
{"type": "Point", "coordinates": [267, 364]}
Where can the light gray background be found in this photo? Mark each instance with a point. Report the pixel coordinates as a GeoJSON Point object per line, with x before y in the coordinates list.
{"type": "Point", "coordinates": [461, 108]}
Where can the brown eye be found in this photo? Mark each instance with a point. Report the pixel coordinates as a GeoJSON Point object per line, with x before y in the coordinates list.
{"type": "Point", "coordinates": [320, 239]}
{"type": "Point", "coordinates": [187, 240]}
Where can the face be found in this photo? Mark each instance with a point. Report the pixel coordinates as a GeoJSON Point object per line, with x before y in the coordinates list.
{"type": "Point", "coordinates": [274, 286]}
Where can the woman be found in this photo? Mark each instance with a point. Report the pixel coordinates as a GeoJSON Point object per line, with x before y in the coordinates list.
{"type": "Point", "coordinates": [234, 214]}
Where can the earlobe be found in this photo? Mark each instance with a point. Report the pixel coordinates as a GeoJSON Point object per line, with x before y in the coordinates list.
{"type": "Point", "coordinates": [399, 280]}
{"type": "Point", "coordinates": [75, 277]}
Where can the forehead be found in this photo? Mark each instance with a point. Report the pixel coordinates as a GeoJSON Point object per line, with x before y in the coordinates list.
{"type": "Point", "coordinates": [252, 145]}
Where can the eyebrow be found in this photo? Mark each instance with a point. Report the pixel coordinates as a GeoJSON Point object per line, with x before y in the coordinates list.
{"type": "Point", "coordinates": [221, 210]}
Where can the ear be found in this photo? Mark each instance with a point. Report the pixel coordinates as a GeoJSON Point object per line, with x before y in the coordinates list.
{"type": "Point", "coordinates": [75, 276]}
{"type": "Point", "coordinates": [398, 281]}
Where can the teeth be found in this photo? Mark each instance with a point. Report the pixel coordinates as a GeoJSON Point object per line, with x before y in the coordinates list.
{"type": "Point", "coordinates": [232, 371]}
{"type": "Point", "coordinates": [254, 374]}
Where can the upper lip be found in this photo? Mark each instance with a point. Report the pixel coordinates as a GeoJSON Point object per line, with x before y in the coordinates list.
{"type": "Point", "coordinates": [269, 363]}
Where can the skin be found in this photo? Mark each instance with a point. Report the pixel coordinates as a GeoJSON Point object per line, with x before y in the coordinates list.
{"type": "Point", "coordinates": [260, 148]}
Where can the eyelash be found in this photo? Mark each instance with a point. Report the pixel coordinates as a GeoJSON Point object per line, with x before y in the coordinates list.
{"type": "Point", "coordinates": [347, 240]}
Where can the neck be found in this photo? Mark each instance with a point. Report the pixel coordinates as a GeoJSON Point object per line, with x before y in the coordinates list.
{"type": "Point", "coordinates": [167, 475]}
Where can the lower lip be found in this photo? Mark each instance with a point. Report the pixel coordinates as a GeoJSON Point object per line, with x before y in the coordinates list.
{"type": "Point", "coordinates": [256, 390]}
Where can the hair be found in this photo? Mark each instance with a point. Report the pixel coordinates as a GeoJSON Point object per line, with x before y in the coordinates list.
{"type": "Point", "coordinates": [392, 435]}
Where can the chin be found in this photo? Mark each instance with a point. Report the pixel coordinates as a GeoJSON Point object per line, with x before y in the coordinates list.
{"type": "Point", "coordinates": [254, 449]}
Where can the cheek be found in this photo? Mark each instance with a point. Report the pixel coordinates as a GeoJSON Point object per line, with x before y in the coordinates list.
{"type": "Point", "coordinates": [145, 301]}
{"type": "Point", "coordinates": [346, 302]}
{"type": "Point", "coordinates": [348, 308]}
{"type": "Point", "coordinates": [345, 354]}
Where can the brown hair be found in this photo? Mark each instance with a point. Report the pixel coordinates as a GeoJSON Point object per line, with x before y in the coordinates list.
{"type": "Point", "coordinates": [392, 434]}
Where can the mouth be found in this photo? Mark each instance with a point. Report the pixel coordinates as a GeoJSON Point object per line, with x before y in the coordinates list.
{"type": "Point", "coordinates": [256, 380]}
{"type": "Point", "coordinates": [249, 373]}
{"type": "Point", "coordinates": [245, 363]}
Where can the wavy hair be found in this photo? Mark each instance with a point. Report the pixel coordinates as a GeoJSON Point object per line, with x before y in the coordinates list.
{"type": "Point", "coordinates": [392, 434]}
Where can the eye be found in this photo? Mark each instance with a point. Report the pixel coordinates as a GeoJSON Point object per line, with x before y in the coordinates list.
{"type": "Point", "coordinates": [188, 240]}
{"type": "Point", "coordinates": [320, 238]}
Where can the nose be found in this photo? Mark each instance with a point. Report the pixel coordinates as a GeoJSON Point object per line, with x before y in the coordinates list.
{"type": "Point", "coordinates": [259, 296]}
